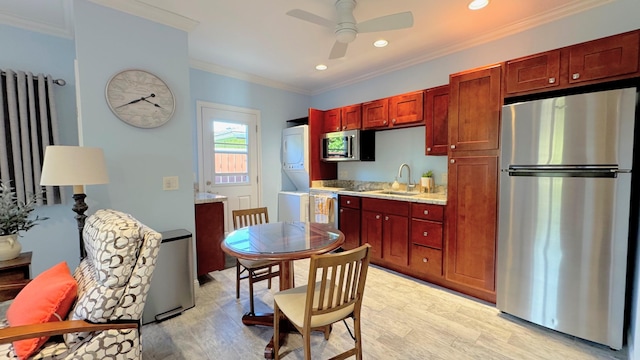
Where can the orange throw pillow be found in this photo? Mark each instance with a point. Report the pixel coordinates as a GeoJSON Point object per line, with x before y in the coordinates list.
{"type": "Point", "coordinates": [51, 292]}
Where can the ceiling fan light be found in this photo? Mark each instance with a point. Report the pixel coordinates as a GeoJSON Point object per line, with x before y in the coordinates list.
{"type": "Point", "coordinates": [321, 67]}
{"type": "Point", "coordinates": [478, 4]}
{"type": "Point", "coordinates": [345, 35]}
{"type": "Point", "coordinates": [380, 43]}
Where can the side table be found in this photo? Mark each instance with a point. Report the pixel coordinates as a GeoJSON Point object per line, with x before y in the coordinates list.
{"type": "Point", "coordinates": [14, 275]}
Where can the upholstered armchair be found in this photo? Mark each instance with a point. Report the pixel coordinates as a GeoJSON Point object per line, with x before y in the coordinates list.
{"type": "Point", "coordinates": [112, 285]}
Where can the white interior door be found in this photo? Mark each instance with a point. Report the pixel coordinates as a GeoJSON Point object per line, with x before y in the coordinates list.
{"type": "Point", "coordinates": [229, 142]}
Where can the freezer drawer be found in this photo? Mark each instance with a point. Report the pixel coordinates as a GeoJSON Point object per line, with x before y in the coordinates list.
{"type": "Point", "coordinates": [562, 253]}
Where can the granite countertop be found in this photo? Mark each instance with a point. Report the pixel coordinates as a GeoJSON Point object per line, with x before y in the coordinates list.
{"type": "Point", "coordinates": [427, 198]}
{"type": "Point", "coordinates": [203, 198]}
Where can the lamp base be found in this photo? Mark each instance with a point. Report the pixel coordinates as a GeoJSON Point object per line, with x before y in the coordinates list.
{"type": "Point", "coordinates": [80, 207]}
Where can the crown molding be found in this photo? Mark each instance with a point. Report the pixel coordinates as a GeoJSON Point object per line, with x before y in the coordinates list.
{"type": "Point", "coordinates": [150, 12]}
{"type": "Point", "coordinates": [224, 71]}
{"type": "Point", "coordinates": [64, 31]}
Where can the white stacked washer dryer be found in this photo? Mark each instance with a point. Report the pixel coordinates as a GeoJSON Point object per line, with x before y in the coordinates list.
{"type": "Point", "coordinates": [293, 205]}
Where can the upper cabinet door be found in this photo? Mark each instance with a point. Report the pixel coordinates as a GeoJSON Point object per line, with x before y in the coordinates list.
{"type": "Point", "coordinates": [331, 121]}
{"type": "Point", "coordinates": [351, 117]}
{"type": "Point", "coordinates": [602, 58]}
{"type": "Point", "coordinates": [437, 120]}
{"type": "Point", "coordinates": [406, 108]}
{"type": "Point", "coordinates": [474, 109]}
{"type": "Point", "coordinates": [375, 114]}
{"type": "Point", "coordinates": [533, 72]}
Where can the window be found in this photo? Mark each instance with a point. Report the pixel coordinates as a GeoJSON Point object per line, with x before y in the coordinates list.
{"type": "Point", "coordinates": [231, 153]}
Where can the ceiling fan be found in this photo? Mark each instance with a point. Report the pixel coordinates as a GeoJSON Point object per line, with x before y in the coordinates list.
{"type": "Point", "coordinates": [346, 28]}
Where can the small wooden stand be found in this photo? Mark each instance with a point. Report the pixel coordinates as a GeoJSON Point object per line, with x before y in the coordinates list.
{"type": "Point", "coordinates": [14, 275]}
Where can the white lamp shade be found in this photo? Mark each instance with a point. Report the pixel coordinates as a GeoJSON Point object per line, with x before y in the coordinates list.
{"type": "Point", "coordinates": [73, 165]}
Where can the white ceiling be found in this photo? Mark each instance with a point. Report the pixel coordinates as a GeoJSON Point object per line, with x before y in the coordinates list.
{"type": "Point", "coordinates": [255, 40]}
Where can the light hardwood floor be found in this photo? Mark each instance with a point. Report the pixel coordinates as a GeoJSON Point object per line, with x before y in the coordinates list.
{"type": "Point", "coordinates": [402, 318]}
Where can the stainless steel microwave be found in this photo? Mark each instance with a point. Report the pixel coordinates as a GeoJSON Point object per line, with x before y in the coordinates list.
{"type": "Point", "coordinates": [352, 145]}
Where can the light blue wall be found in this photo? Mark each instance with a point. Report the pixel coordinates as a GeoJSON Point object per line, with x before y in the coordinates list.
{"type": "Point", "coordinates": [109, 41]}
{"type": "Point", "coordinates": [56, 239]}
{"type": "Point", "coordinates": [275, 106]}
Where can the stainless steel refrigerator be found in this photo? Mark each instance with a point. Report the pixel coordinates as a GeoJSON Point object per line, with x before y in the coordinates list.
{"type": "Point", "coordinates": [564, 204]}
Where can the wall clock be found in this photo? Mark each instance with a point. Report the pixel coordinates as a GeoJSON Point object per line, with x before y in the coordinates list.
{"type": "Point", "coordinates": [140, 98]}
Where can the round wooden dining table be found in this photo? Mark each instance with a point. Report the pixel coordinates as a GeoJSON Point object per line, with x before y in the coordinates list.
{"type": "Point", "coordinates": [283, 242]}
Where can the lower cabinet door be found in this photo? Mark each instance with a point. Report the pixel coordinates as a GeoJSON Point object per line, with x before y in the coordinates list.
{"type": "Point", "coordinates": [426, 260]}
{"type": "Point", "coordinates": [350, 227]}
{"type": "Point", "coordinates": [395, 239]}
{"type": "Point", "coordinates": [372, 232]}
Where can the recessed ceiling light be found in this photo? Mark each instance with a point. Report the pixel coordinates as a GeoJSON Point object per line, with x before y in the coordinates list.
{"type": "Point", "coordinates": [478, 4]}
{"type": "Point", "coordinates": [381, 43]}
{"type": "Point", "coordinates": [321, 67]}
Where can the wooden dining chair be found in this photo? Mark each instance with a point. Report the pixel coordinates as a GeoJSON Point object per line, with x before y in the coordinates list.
{"type": "Point", "coordinates": [254, 270]}
{"type": "Point", "coordinates": [333, 293]}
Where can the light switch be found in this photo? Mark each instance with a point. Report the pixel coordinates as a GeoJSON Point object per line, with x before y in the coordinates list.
{"type": "Point", "coordinates": [170, 183]}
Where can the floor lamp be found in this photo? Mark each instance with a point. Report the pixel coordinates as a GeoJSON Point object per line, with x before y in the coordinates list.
{"type": "Point", "coordinates": [77, 166]}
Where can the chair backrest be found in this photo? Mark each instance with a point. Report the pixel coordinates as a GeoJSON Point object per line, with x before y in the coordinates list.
{"type": "Point", "coordinates": [248, 217]}
{"type": "Point", "coordinates": [337, 282]}
{"type": "Point", "coordinates": [114, 278]}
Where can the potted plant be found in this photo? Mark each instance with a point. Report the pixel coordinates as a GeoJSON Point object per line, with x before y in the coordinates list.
{"type": "Point", "coordinates": [426, 181]}
{"type": "Point", "coordinates": [14, 218]}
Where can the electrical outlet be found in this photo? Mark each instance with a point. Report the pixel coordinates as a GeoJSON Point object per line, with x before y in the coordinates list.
{"type": "Point", "coordinates": [170, 183]}
{"type": "Point", "coordinates": [443, 178]}
{"type": "Point", "coordinates": [342, 174]}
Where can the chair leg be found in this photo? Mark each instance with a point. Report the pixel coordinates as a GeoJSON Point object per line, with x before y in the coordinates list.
{"type": "Point", "coordinates": [327, 331]}
{"type": "Point", "coordinates": [306, 338]}
{"type": "Point", "coordinates": [269, 280]}
{"type": "Point", "coordinates": [356, 329]}
{"type": "Point", "coordinates": [237, 279]}
{"type": "Point", "coordinates": [276, 331]}
{"type": "Point", "coordinates": [251, 275]}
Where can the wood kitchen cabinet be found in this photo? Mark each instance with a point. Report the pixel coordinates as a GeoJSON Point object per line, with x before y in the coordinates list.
{"type": "Point", "coordinates": [396, 111]}
{"type": "Point", "coordinates": [342, 119]}
{"type": "Point", "coordinates": [437, 120]}
{"type": "Point", "coordinates": [426, 239]}
{"type": "Point", "coordinates": [611, 58]}
{"type": "Point", "coordinates": [318, 169]}
{"type": "Point", "coordinates": [209, 236]}
{"type": "Point", "coordinates": [475, 100]}
{"type": "Point", "coordinates": [472, 224]}
{"type": "Point", "coordinates": [385, 225]}
{"type": "Point", "coordinates": [375, 114]}
{"type": "Point", "coordinates": [349, 221]}
{"type": "Point", "coordinates": [332, 119]}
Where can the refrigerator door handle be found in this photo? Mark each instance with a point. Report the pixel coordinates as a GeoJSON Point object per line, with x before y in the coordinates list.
{"type": "Point", "coordinates": [565, 172]}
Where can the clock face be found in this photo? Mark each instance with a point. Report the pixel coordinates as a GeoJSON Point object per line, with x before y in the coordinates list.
{"type": "Point", "coordinates": [140, 98]}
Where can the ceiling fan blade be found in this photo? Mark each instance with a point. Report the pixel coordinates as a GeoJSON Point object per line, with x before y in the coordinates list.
{"type": "Point", "coordinates": [338, 50]}
{"type": "Point", "coordinates": [388, 22]}
{"type": "Point", "coordinates": [312, 18]}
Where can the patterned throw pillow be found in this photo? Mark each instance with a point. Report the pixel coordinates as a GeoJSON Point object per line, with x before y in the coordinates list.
{"type": "Point", "coordinates": [46, 298]}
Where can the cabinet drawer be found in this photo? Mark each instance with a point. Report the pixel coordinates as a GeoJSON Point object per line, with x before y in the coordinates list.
{"type": "Point", "coordinates": [386, 206]}
{"type": "Point", "coordinates": [426, 233]}
{"type": "Point", "coordinates": [427, 211]}
{"type": "Point", "coordinates": [426, 260]}
{"type": "Point", "coordinates": [352, 202]}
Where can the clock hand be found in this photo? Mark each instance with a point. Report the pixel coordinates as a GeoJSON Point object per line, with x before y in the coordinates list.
{"type": "Point", "coordinates": [154, 104]}
{"type": "Point", "coordinates": [137, 100]}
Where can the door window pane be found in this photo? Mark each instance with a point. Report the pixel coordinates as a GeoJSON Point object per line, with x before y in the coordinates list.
{"type": "Point", "coordinates": [231, 152]}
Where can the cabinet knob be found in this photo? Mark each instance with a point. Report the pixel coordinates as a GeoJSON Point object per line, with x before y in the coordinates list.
{"type": "Point", "coordinates": [453, 161]}
{"type": "Point", "coordinates": [426, 212]}
{"type": "Point", "coordinates": [341, 210]}
{"type": "Point", "coordinates": [385, 122]}
{"type": "Point", "coordinates": [344, 128]}
{"type": "Point", "coordinates": [453, 146]}
{"type": "Point", "coordinates": [552, 80]}
{"type": "Point", "coordinates": [428, 149]}
{"type": "Point", "coordinates": [377, 216]}
{"type": "Point", "coordinates": [348, 202]}
{"type": "Point", "coordinates": [393, 121]}
{"type": "Point", "coordinates": [575, 76]}
{"type": "Point", "coordinates": [386, 218]}
{"type": "Point", "coordinates": [425, 234]}
{"type": "Point", "coordinates": [425, 260]}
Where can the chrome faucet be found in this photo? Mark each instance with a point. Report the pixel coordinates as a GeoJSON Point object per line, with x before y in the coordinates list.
{"type": "Point", "coordinates": [409, 184]}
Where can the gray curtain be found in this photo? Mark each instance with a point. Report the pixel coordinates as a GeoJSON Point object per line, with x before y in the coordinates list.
{"type": "Point", "coordinates": [28, 124]}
